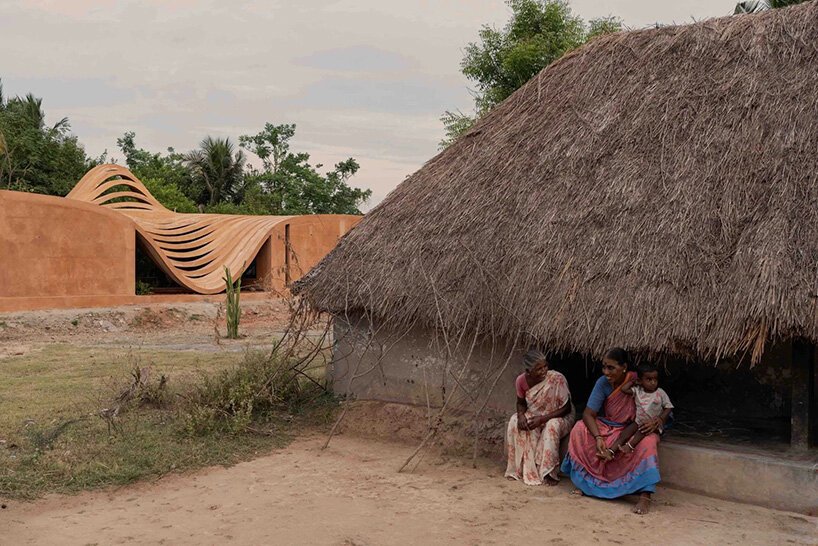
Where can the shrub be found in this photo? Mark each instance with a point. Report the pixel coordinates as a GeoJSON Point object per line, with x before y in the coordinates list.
{"type": "Point", "coordinates": [260, 389]}
{"type": "Point", "coordinates": [143, 288]}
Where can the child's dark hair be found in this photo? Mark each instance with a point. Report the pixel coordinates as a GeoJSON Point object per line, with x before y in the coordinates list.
{"type": "Point", "coordinates": [645, 368]}
{"type": "Point", "coordinates": [619, 355]}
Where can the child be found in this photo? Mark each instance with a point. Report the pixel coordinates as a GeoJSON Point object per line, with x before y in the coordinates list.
{"type": "Point", "coordinates": [653, 407]}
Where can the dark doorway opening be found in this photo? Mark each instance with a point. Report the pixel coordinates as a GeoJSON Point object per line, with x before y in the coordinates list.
{"type": "Point", "coordinates": [150, 278]}
{"type": "Point", "coordinates": [728, 402]}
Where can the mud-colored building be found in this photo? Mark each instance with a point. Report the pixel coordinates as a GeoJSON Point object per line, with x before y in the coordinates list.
{"type": "Point", "coordinates": [90, 248]}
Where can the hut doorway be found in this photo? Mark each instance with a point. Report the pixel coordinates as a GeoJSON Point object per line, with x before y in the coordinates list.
{"type": "Point", "coordinates": [770, 405]}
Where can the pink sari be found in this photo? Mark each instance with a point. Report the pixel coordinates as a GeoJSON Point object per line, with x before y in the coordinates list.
{"type": "Point", "coordinates": [627, 473]}
{"type": "Point", "coordinates": [534, 454]}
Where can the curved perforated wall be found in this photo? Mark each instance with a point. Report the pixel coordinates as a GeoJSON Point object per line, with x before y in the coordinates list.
{"type": "Point", "coordinates": [192, 248]}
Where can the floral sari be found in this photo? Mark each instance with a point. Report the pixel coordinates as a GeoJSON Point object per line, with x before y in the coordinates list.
{"type": "Point", "coordinates": [627, 473]}
{"type": "Point", "coordinates": [534, 454]}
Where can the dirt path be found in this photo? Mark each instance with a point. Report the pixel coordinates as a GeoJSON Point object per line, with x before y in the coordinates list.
{"type": "Point", "coordinates": [351, 494]}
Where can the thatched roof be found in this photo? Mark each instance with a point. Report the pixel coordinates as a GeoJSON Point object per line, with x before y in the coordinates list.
{"type": "Point", "coordinates": [654, 189]}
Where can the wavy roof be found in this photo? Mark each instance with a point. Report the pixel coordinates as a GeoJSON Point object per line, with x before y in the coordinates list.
{"type": "Point", "coordinates": [192, 248]}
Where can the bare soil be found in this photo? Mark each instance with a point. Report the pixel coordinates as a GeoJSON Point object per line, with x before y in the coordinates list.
{"type": "Point", "coordinates": [178, 326]}
{"type": "Point", "coordinates": [352, 494]}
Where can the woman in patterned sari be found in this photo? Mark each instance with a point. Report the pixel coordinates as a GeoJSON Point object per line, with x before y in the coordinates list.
{"type": "Point", "coordinates": [544, 415]}
{"type": "Point", "coordinates": [597, 470]}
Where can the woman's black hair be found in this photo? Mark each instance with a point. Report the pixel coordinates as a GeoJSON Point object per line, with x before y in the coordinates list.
{"type": "Point", "coordinates": [619, 355]}
{"type": "Point", "coordinates": [532, 357]}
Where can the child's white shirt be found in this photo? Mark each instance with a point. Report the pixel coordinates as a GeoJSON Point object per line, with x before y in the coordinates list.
{"type": "Point", "coordinates": [649, 404]}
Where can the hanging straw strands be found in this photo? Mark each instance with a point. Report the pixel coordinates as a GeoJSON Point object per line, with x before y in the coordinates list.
{"type": "Point", "coordinates": [654, 189]}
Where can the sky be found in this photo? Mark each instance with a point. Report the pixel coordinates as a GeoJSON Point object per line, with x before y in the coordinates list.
{"type": "Point", "coordinates": [367, 79]}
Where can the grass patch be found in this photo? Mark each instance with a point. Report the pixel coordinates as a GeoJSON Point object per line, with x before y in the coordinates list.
{"type": "Point", "coordinates": [73, 418]}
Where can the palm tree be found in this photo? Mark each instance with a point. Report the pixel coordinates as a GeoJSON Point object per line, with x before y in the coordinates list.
{"type": "Point", "coordinates": [218, 167]}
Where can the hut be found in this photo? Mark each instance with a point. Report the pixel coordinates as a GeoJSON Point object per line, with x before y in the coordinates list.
{"type": "Point", "coordinates": [654, 189]}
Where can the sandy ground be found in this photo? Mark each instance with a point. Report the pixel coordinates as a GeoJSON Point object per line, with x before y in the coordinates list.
{"type": "Point", "coordinates": [178, 326]}
{"type": "Point", "coordinates": [351, 494]}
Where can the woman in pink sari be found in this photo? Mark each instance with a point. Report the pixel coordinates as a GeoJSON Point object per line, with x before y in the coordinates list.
{"type": "Point", "coordinates": [544, 415]}
{"type": "Point", "coordinates": [597, 470]}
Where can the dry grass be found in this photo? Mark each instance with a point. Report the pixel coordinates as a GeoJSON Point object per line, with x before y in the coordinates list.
{"type": "Point", "coordinates": [654, 190]}
{"type": "Point", "coordinates": [74, 418]}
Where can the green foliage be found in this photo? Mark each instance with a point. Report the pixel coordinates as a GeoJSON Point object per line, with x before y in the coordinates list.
{"type": "Point", "coordinates": [262, 386]}
{"type": "Point", "coordinates": [602, 26]}
{"type": "Point", "coordinates": [757, 6]}
{"type": "Point", "coordinates": [43, 438]}
{"type": "Point", "coordinates": [289, 184]}
{"type": "Point", "coordinates": [233, 291]}
{"type": "Point", "coordinates": [216, 170]}
{"type": "Point", "coordinates": [36, 157]}
{"type": "Point", "coordinates": [169, 195]}
{"type": "Point", "coordinates": [538, 33]}
{"type": "Point", "coordinates": [164, 171]}
{"type": "Point", "coordinates": [214, 177]}
{"type": "Point", "coordinates": [143, 288]}
{"type": "Point", "coordinates": [454, 125]}
{"type": "Point", "coordinates": [67, 438]}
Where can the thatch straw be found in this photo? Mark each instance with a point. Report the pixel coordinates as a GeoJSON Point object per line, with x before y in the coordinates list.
{"type": "Point", "coordinates": [654, 189]}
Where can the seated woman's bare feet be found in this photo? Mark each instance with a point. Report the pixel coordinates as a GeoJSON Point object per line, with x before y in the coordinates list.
{"type": "Point", "coordinates": [643, 506]}
{"type": "Point", "coordinates": [548, 480]}
{"type": "Point", "coordinates": [577, 493]}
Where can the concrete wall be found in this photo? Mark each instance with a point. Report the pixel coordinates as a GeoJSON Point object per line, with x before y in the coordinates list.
{"type": "Point", "coordinates": [776, 481]}
{"type": "Point", "coordinates": [404, 368]}
{"type": "Point", "coordinates": [61, 248]}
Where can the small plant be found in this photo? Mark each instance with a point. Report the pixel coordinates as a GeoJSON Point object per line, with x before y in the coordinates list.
{"type": "Point", "coordinates": [233, 306]}
{"type": "Point", "coordinates": [264, 386]}
{"type": "Point", "coordinates": [143, 288]}
{"type": "Point", "coordinates": [75, 322]}
{"type": "Point", "coordinates": [44, 438]}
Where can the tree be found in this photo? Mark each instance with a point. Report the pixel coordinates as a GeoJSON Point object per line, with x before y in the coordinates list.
{"type": "Point", "coordinates": [36, 157]}
{"type": "Point", "coordinates": [271, 144]}
{"type": "Point", "coordinates": [538, 33]}
{"type": "Point", "coordinates": [217, 170]}
{"type": "Point", "coordinates": [170, 168]}
{"type": "Point", "coordinates": [169, 195]}
{"type": "Point", "coordinates": [756, 6]}
{"type": "Point", "coordinates": [289, 184]}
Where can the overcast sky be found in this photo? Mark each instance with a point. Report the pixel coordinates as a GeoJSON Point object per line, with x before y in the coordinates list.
{"type": "Point", "coordinates": [361, 78]}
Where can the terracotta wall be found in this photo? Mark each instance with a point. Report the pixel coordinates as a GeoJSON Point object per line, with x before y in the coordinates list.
{"type": "Point", "coordinates": [310, 239]}
{"type": "Point", "coordinates": [50, 246]}
{"type": "Point", "coordinates": [63, 253]}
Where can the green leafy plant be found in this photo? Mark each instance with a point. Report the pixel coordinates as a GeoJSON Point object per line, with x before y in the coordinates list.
{"type": "Point", "coordinates": [538, 33]}
{"type": "Point", "coordinates": [143, 288]}
{"type": "Point", "coordinates": [233, 305]}
{"type": "Point", "coordinates": [265, 388]}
